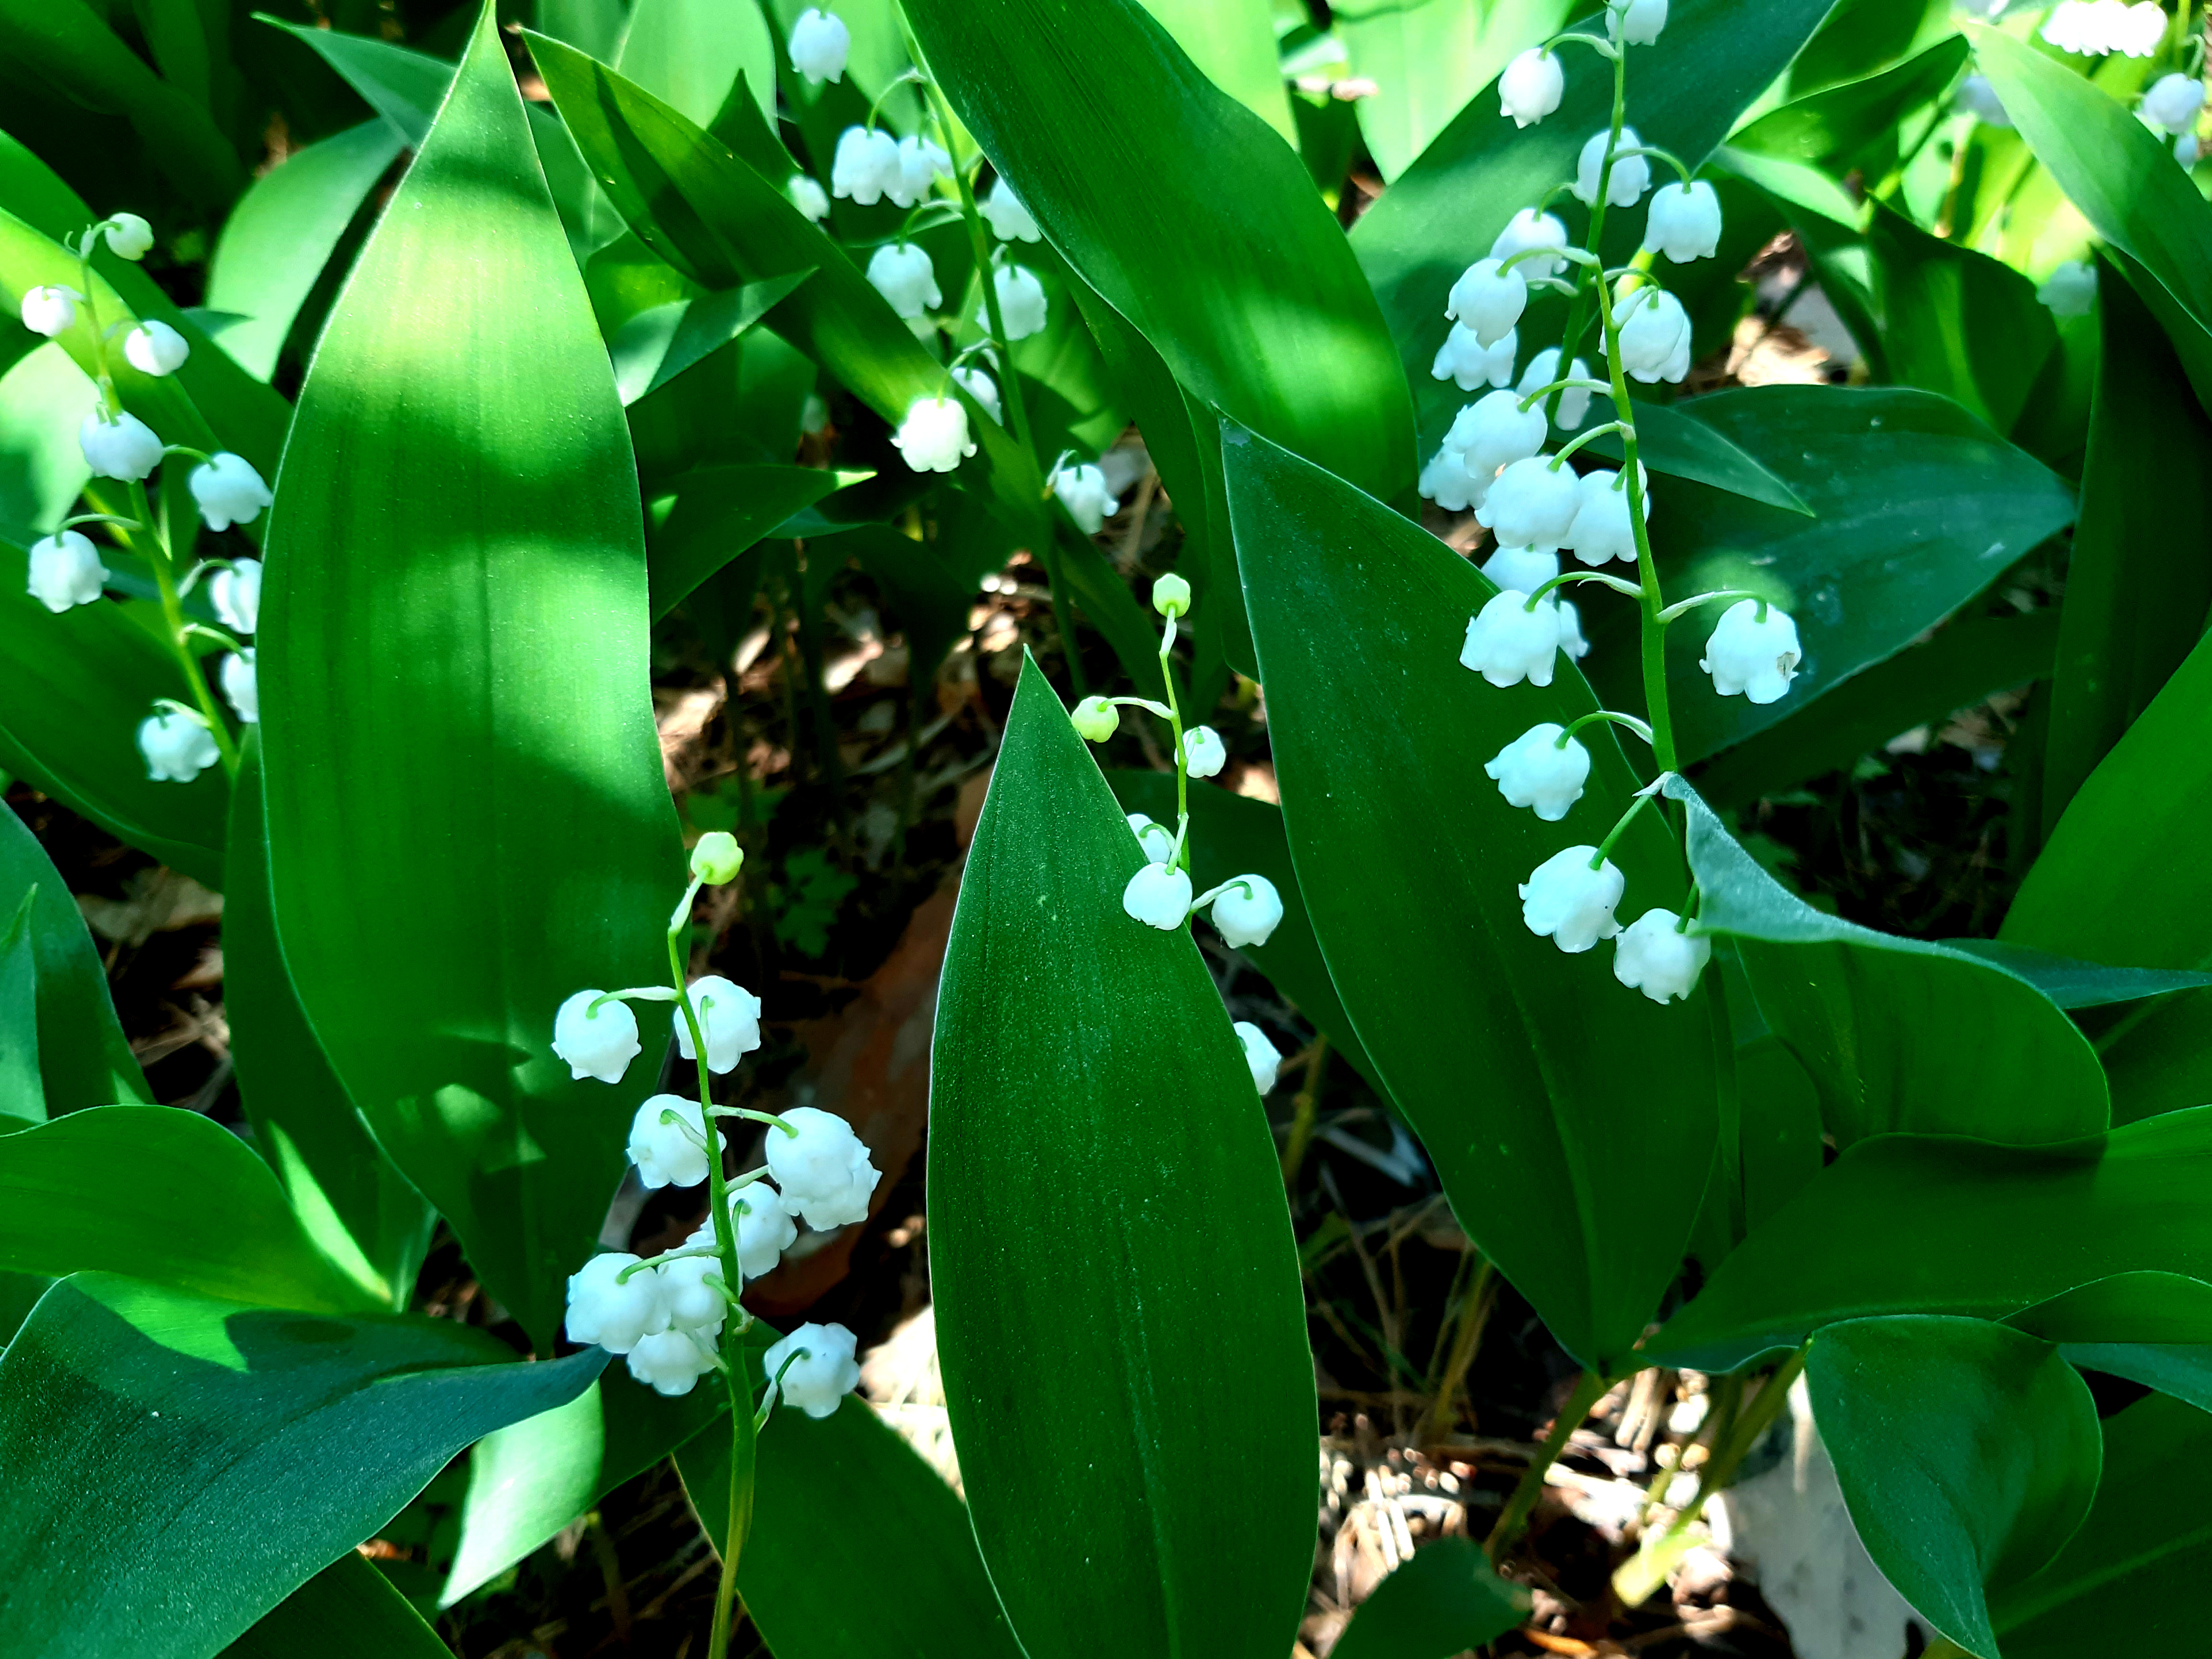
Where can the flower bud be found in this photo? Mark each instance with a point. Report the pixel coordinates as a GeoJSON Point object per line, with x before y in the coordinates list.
{"type": "Point", "coordinates": [901, 273]}
{"type": "Point", "coordinates": [1204, 754]}
{"type": "Point", "coordinates": [933, 437]}
{"type": "Point", "coordinates": [1466, 362]}
{"type": "Point", "coordinates": [177, 747]}
{"type": "Point", "coordinates": [1489, 298]}
{"type": "Point", "coordinates": [1507, 642]}
{"type": "Point", "coordinates": [1655, 958]}
{"type": "Point", "coordinates": [1631, 176]}
{"type": "Point", "coordinates": [616, 1313]}
{"type": "Point", "coordinates": [1563, 897]}
{"type": "Point", "coordinates": [806, 194]}
{"type": "Point", "coordinates": [982, 388]}
{"type": "Point", "coordinates": [1170, 595]}
{"type": "Point", "coordinates": [121, 446]}
{"type": "Point", "coordinates": [1158, 896]}
{"type": "Point", "coordinates": [241, 684]}
{"type": "Point", "coordinates": [664, 1153]}
{"type": "Point", "coordinates": [729, 1019]}
{"type": "Point", "coordinates": [1532, 505]}
{"type": "Point", "coordinates": [820, 43]}
{"type": "Point", "coordinates": [1010, 218]}
{"type": "Point", "coordinates": [154, 348]}
{"type": "Point", "coordinates": [1636, 23]}
{"type": "Point", "coordinates": [236, 595]}
{"type": "Point", "coordinates": [1574, 402]}
{"type": "Point", "coordinates": [718, 858]}
{"type": "Point", "coordinates": [1244, 918]}
{"type": "Point", "coordinates": [598, 1042]}
{"type": "Point", "coordinates": [1756, 657]}
{"type": "Point", "coordinates": [823, 1169]}
{"type": "Point", "coordinates": [129, 237]}
{"type": "Point", "coordinates": [1531, 86]}
{"type": "Point", "coordinates": [1021, 302]}
{"type": "Point", "coordinates": [1156, 839]}
{"type": "Point", "coordinates": [1262, 1057]}
{"type": "Point", "coordinates": [1527, 230]}
{"type": "Point", "coordinates": [1495, 431]}
{"type": "Point", "coordinates": [920, 165]}
{"type": "Point", "coordinates": [229, 491]}
{"type": "Point", "coordinates": [51, 310]}
{"type": "Point", "coordinates": [1535, 770]}
{"type": "Point", "coordinates": [867, 162]}
{"type": "Point", "coordinates": [1525, 568]}
{"type": "Point", "coordinates": [1684, 222]}
{"type": "Point", "coordinates": [1082, 491]}
{"type": "Point", "coordinates": [2173, 102]}
{"type": "Point", "coordinates": [1447, 481]}
{"type": "Point", "coordinates": [2070, 290]}
{"type": "Point", "coordinates": [1602, 531]}
{"type": "Point", "coordinates": [670, 1363]}
{"type": "Point", "coordinates": [1096, 718]}
{"type": "Point", "coordinates": [65, 570]}
{"type": "Point", "coordinates": [1654, 335]}
{"type": "Point", "coordinates": [822, 1375]}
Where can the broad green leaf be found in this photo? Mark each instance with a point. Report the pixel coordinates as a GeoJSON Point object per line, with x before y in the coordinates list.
{"type": "Point", "coordinates": [22, 1090]}
{"type": "Point", "coordinates": [720, 512]}
{"type": "Point", "coordinates": [1543, 1121]}
{"type": "Point", "coordinates": [74, 688]}
{"type": "Point", "coordinates": [347, 1611]}
{"type": "Point", "coordinates": [929, 1599]}
{"type": "Point", "coordinates": [1918, 507]}
{"type": "Point", "coordinates": [2072, 984]}
{"type": "Point", "coordinates": [178, 1464]}
{"type": "Point", "coordinates": [282, 232]}
{"type": "Point", "coordinates": [2004, 1063]}
{"type": "Point", "coordinates": [1862, 36]}
{"type": "Point", "coordinates": [1428, 60]}
{"type": "Point", "coordinates": [2146, 1540]}
{"type": "Point", "coordinates": [2153, 1328]}
{"type": "Point", "coordinates": [359, 1210]}
{"type": "Point", "coordinates": [1232, 42]}
{"type": "Point", "coordinates": [84, 1059]}
{"type": "Point", "coordinates": [161, 1193]}
{"type": "Point", "coordinates": [1967, 1453]}
{"type": "Point", "coordinates": [689, 54]}
{"type": "Point", "coordinates": [1941, 1225]}
{"type": "Point", "coordinates": [2137, 589]}
{"type": "Point", "coordinates": [403, 86]}
{"type": "Point", "coordinates": [1957, 322]}
{"type": "Point", "coordinates": [1674, 441]}
{"type": "Point", "coordinates": [42, 470]}
{"type": "Point", "coordinates": [1121, 1383]}
{"type": "Point", "coordinates": [461, 418]}
{"type": "Point", "coordinates": [1856, 124]}
{"type": "Point", "coordinates": [1445, 1601]}
{"type": "Point", "coordinates": [655, 346]}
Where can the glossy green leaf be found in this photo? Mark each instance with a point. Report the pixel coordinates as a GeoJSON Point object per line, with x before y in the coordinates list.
{"type": "Point", "coordinates": [1409, 859]}
{"type": "Point", "coordinates": [347, 1611]}
{"type": "Point", "coordinates": [461, 417]}
{"type": "Point", "coordinates": [1940, 1225]}
{"type": "Point", "coordinates": [403, 86]}
{"type": "Point", "coordinates": [1957, 322]}
{"type": "Point", "coordinates": [1444, 1601]}
{"type": "Point", "coordinates": [282, 232]}
{"type": "Point", "coordinates": [689, 54]}
{"type": "Point", "coordinates": [720, 512]}
{"type": "Point", "coordinates": [1861, 37]}
{"type": "Point", "coordinates": [1856, 123]}
{"type": "Point", "coordinates": [1120, 1383]}
{"type": "Point", "coordinates": [22, 1090]}
{"type": "Point", "coordinates": [1428, 60]}
{"type": "Point", "coordinates": [1674, 441]}
{"type": "Point", "coordinates": [178, 1465]}
{"type": "Point", "coordinates": [42, 470]}
{"type": "Point", "coordinates": [1967, 1454]}
{"type": "Point", "coordinates": [84, 1059]}
{"type": "Point", "coordinates": [656, 346]}
{"type": "Point", "coordinates": [2137, 591]}
{"type": "Point", "coordinates": [2004, 1064]}
{"type": "Point", "coordinates": [2072, 984]}
{"type": "Point", "coordinates": [2154, 1329]}
{"type": "Point", "coordinates": [1232, 42]}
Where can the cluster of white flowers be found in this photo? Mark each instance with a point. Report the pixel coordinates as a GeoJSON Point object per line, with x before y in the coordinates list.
{"type": "Point", "coordinates": [871, 165]}
{"type": "Point", "coordinates": [2095, 28]}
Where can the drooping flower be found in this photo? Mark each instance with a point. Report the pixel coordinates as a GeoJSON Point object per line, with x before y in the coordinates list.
{"type": "Point", "coordinates": [1204, 753]}
{"type": "Point", "coordinates": [1574, 401]}
{"type": "Point", "coordinates": [920, 164]}
{"type": "Point", "coordinates": [598, 1042]}
{"type": "Point", "coordinates": [820, 43]}
{"type": "Point", "coordinates": [717, 858]}
{"type": "Point", "coordinates": [1495, 431]}
{"type": "Point", "coordinates": [1156, 839]}
{"type": "Point", "coordinates": [1654, 335]}
{"type": "Point", "coordinates": [1488, 299]}
{"type": "Point", "coordinates": [1530, 228]}
{"type": "Point", "coordinates": [1755, 655]}
{"type": "Point", "coordinates": [129, 236]}
{"type": "Point", "coordinates": [695, 1306]}
{"type": "Point", "coordinates": [65, 570]}
{"type": "Point", "coordinates": [1655, 958]}
{"type": "Point", "coordinates": [901, 273]}
{"type": "Point", "coordinates": [1507, 642]}
{"type": "Point", "coordinates": [1525, 568]}
{"type": "Point", "coordinates": [1531, 86]}
{"type": "Point", "coordinates": [1158, 896]}
{"type": "Point", "coordinates": [1684, 222]}
{"type": "Point", "coordinates": [177, 747]}
{"type": "Point", "coordinates": [2070, 290]}
{"type": "Point", "coordinates": [1466, 362]}
{"type": "Point", "coordinates": [1446, 480]}
{"type": "Point", "coordinates": [1536, 770]}
{"type": "Point", "coordinates": [865, 165]}
{"type": "Point", "coordinates": [1096, 718]}
{"type": "Point", "coordinates": [1009, 217]}
{"type": "Point", "coordinates": [1244, 918]}
{"type": "Point", "coordinates": [1570, 631]}
{"type": "Point", "coordinates": [2187, 150]}
{"type": "Point", "coordinates": [984, 389]}
{"type": "Point", "coordinates": [1082, 491]}
{"type": "Point", "coordinates": [805, 193]}
{"type": "Point", "coordinates": [933, 437]}
{"type": "Point", "coordinates": [1631, 176]}
{"type": "Point", "coordinates": [120, 447]}
{"type": "Point", "coordinates": [2174, 102]}
{"type": "Point", "coordinates": [1637, 22]}
{"type": "Point", "coordinates": [1566, 899]}
{"type": "Point", "coordinates": [1532, 505]}
{"type": "Point", "coordinates": [670, 1153]}
{"type": "Point", "coordinates": [236, 592]}
{"type": "Point", "coordinates": [1602, 531]}
{"type": "Point", "coordinates": [241, 685]}
{"type": "Point", "coordinates": [1021, 302]}
{"type": "Point", "coordinates": [49, 310]}
{"type": "Point", "coordinates": [766, 1226]}
{"type": "Point", "coordinates": [1262, 1057]}
{"type": "Point", "coordinates": [729, 1019]}
{"type": "Point", "coordinates": [1979, 99]}
{"type": "Point", "coordinates": [229, 490]}
{"type": "Point", "coordinates": [669, 1362]}
{"type": "Point", "coordinates": [154, 348]}
{"type": "Point", "coordinates": [822, 1375]}
{"type": "Point", "coordinates": [823, 1169]}
{"type": "Point", "coordinates": [615, 1312]}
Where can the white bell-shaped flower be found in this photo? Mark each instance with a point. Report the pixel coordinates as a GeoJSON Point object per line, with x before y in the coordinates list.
{"type": "Point", "coordinates": [154, 348]}
{"type": "Point", "coordinates": [1203, 752]}
{"type": "Point", "coordinates": [1636, 23]}
{"type": "Point", "coordinates": [1536, 769]}
{"type": "Point", "coordinates": [1531, 228]}
{"type": "Point", "coordinates": [1446, 480]}
{"type": "Point", "coordinates": [1157, 896]}
{"type": "Point", "coordinates": [822, 1375]}
{"type": "Point", "coordinates": [1654, 335]}
{"type": "Point", "coordinates": [1755, 655]}
{"type": "Point", "coordinates": [598, 1042]}
{"type": "Point", "coordinates": [122, 446]}
{"type": "Point", "coordinates": [1602, 531]}
{"type": "Point", "coordinates": [729, 1019]}
{"type": "Point", "coordinates": [901, 273]}
{"type": "Point", "coordinates": [1532, 505]}
{"type": "Point", "coordinates": [1170, 595]}
{"type": "Point", "coordinates": [1574, 402]}
{"type": "Point", "coordinates": [1248, 918]}
{"type": "Point", "coordinates": [670, 1363]}
{"type": "Point", "coordinates": [865, 165]}
{"type": "Point", "coordinates": [236, 592]}
{"type": "Point", "coordinates": [1570, 631]}
{"type": "Point", "coordinates": [1265, 1059]}
{"type": "Point", "coordinates": [1157, 840]}
{"type": "Point", "coordinates": [933, 437]}
{"type": "Point", "coordinates": [1631, 174]}
{"type": "Point", "coordinates": [1979, 99]}
{"type": "Point", "coordinates": [65, 570]}
{"type": "Point", "coordinates": [177, 747]}
{"type": "Point", "coordinates": [615, 1312]}
{"type": "Point", "coordinates": [766, 1226]}
{"type": "Point", "coordinates": [2187, 150]}
{"type": "Point", "coordinates": [1655, 958]}
{"type": "Point", "coordinates": [129, 236]}
{"type": "Point", "coordinates": [920, 164]}
{"type": "Point", "coordinates": [49, 310]}
{"type": "Point", "coordinates": [805, 193]}
{"type": "Point", "coordinates": [695, 1307]}
{"type": "Point", "coordinates": [823, 1169]}
{"type": "Point", "coordinates": [229, 491]}
{"type": "Point", "coordinates": [1684, 222]}
{"type": "Point", "coordinates": [2174, 102]}
{"type": "Point", "coordinates": [1570, 901]}
{"type": "Point", "coordinates": [1525, 568]}
{"type": "Point", "coordinates": [1531, 86]}
{"type": "Point", "coordinates": [2070, 290]}
{"type": "Point", "coordinates": [1507, 642]}
{"type": "Point", "coordinates": [984, 389]}
{"type": "Point", "coordinates": [1465, 360]}
{"type": "Point", "coordinates": [1082, 491]}
{"type": "Point", "coordinates": [670, 1153]}
{"type": "Point", "coordinates": [820, 43]}
{"type": "Point", "coordinates": [1495, 431]}
{"type": "Point", "coordinates": [1008, 215]}
{"type": "Point", "coordinates": [1488, 299]}
{"type": "Point", "coordinates": [241, 685]}
{"type": "Point", "coordinates": [1021, 302]}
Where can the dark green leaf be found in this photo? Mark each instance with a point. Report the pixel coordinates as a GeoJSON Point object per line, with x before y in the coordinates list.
{"type": "Point", "coordinates": [1671, 441]}
{"type": "Point", "coordinates": [1542, 1126]}
{"type": "Point", "coordinates": [720, 512]}
{"type": "Point", "coordinates": [84, 1059]}
{"type": "Point", "coordinates": [2072, 984]}
{"type": "Point", "coordinates": [1857, 123]}
{"type": "Point", "coordinates": [2154, 1329]}
{"type": "Point", "coordinates": [689, 54]}
{"type": "Point", "coordinates": [1232, 44]}
{"type": "Point", "coordinates": [1121, 1383]}
{"type": "Point", "coordinates": [656, 346]}
{"type": "Point", "coordinates": [22, 1090]}
{"type": "Point", "coordinates": [403, 86]}
{"type": "Point", "coordinates": [1967, 1453]}
{"type": "Point", "coordinates": [347, 1611]}
{"type": "Point", "coordinates": [1957, 322]}
{"type": "Point", "coordinates": [461, 418]}
{"type": "Point", "coordinates": [1427, 61]}
{"type": "Point", "coordinates": [1444, 1601]}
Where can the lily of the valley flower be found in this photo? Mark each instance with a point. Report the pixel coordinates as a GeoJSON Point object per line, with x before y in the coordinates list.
{"type": "Point", "coordinates": [129, 236]}
{"type": "Point", "coordinates": [820, 43]}
{"type": "Point", "coordinates": [2173, 102]}
{"type": "Point", "coordinates": [1203, 751]}
{"type": "Point", "coordinates": [236, 592]}
{"type": "Point", "coordinates": [669, 1362]}
{"type": "Point", "coordinates": [154, 348]}
{"type": "Point", "coordinates": [1021, 302]}
{"type": "Point", "coordinates": [1495, 431]}
{"type": "Point", "coordinates": [933, 437]}
{"type": "Point", "coordinates": [1466, 362]}
{"type": "Point", "coordinates": [865, 165]}
{"type": "Point", "coordinates": [901, 273]}
{"type": "Point", "coordinates": [1262, 1057]}
{"type": "Point", "coordinates": [241, 685]}
{"type": "Point", "coordinates": [1488, 299]}
{"type": "Point", "coordinates": [1532, 505]}
{"type": "Point", "coordinates": [596, 1042]}
{"type": "Point", "coordinates": [1010, 218]}
{"type": "Point", "coordinates": [1684, 222]}
{"type": "Point", "coordinates": [229, 490]}
{"type": "Point", "coordinates": [65, 570]}
{"type": "Point", "coordinates": [1507, 642]}
{"type": "Point", "coordinates": [718, 858]}
{"type": "Point", "coordinates": [119, 446]}
{"type": "Point", "coordinates": [1655, 334]}
{"type": "Point", "coordinates": [1156, 839]}
{"type": "Point", "coordinates": [823, 1169]}
{"type": "Point", "coordinates": [1247, 912]}
{"type": "Point", "coordinates": [1530, 228]}
{"type": "Point", "coordinates": [1525, 568]}
{"type": "Point", "coordinates": [984, 389]}
{"type": "Point", "coordinates": [1602, 531]}
{"type": "Point", "coordinates": [920, 164]}
{"type": "Point", "coordinates": [1574, 401]}
{"type": "Point", "coordinates": [766, 1227]}
{"type": "Point", "coordinates": [1158, 896]}
{"type": "Point", "coordinates": [805, 193]}
{"type": "Point", "coordinates": [670, 1153]}
{"type": "Point", "coordinates": [614, 1312]}
{"type": "Point", "coordinates": [1531, 86]}
{"type": "Point", "coordinates": [1753, 654]}
{"type": "Point", "coordinates": [1096, 718]}
{"type": "Point", "coordinates": [1535, 770]}
{"type": "Point", "coordinates": [1631, 176]}
{"type": "Point", "coordinates": [1636, 23]}
{"type": "Point", "coordinates": [1655, 957]}
{"type": "Point", "coordinates": [177, 747]}
{"type": "Point", "coordinates": [729, 1019]}
{"type": "Point", "coordinates": [1082, 491]}
{"type": "Point", "coordinates": [49, 310]}
{"type": "Point", "coordinates": [823, 1375]}
{"type": "Point", "coordinates": [1446, 480]}
{"type": "Point", "coordinates": [1566, 899]}
{"type": "Point", "coordinates": [1170, 595]}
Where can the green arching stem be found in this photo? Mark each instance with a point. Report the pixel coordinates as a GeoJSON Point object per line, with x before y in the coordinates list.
{"type": "Point", "coordinates": [1655, 152]}
{"type": "Point", "coordinates": [1565, 578]}
{"type": "Point", "coordinates": [1530, 1487]}
{"type": "Point", "coordinates": [1653, 641]}
{"type": "Point", "coordinates": [1620, 827]}
{"type": "Point", "coordinates": [1589, 434]}
{"type": "Point", "coordinates": [1639, 727]}
{"type": "Point", "coordinates": [1175, 725]}
{"type": "Point", "coordinates": [1683, 607]}
{"type": "Point", "coordinates": [1572, 383]}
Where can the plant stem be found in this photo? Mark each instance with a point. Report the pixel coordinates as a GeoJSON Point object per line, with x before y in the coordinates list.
{"type": "Point", "coordinates": [172, 613]}
{"type": "Point", "coordinates": [1174, 727]}
{"type": "Point", "coordinates": [1654, 631]}
{"type": "Point", "coordinates": [1571, 339]}
{"type": "Point", "coordinates": [1474, 1315]}
{"type": "Point", "coordinates": [1507, 1532]}
{"type": "Point", "coordinates": [1303, 1112]}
